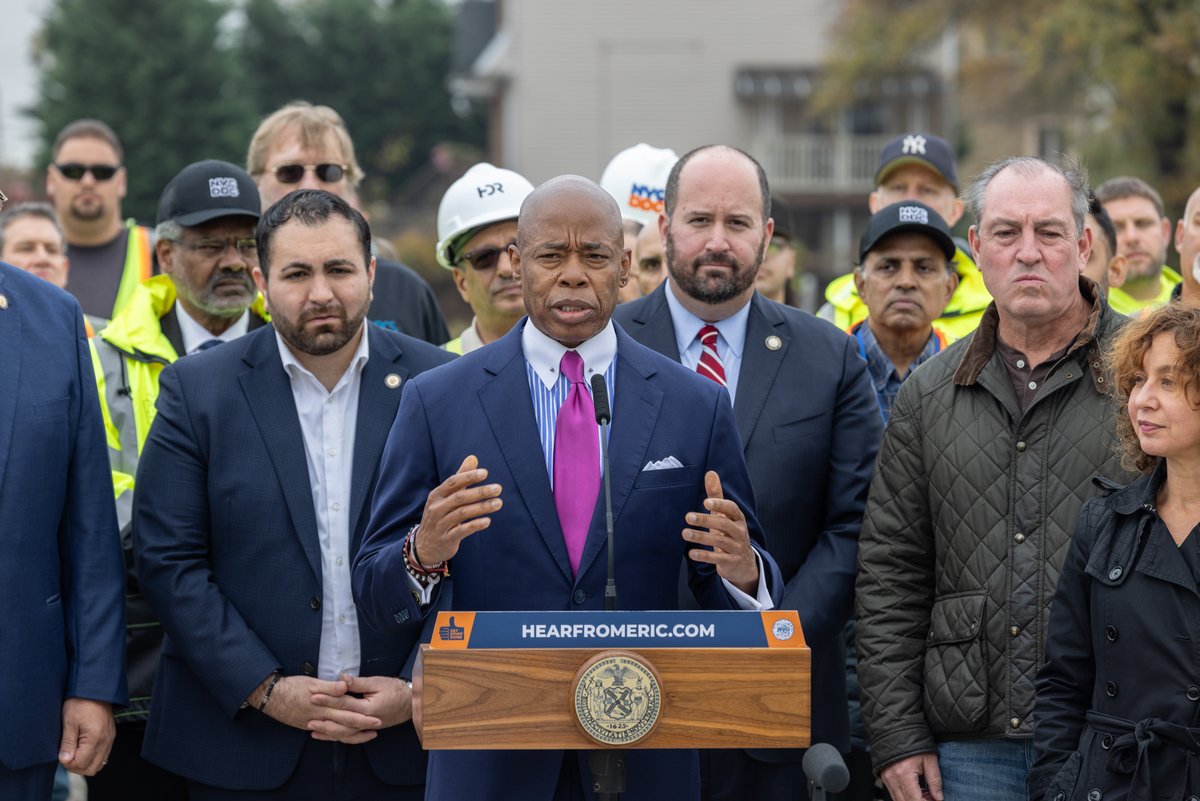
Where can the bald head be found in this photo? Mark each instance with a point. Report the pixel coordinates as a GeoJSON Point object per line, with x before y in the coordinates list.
{"type": "Point", "coordinates": [706, 156]}
{"type": "Point", "coordinates": [1187, 242]}
{"type": "Point", "coordinates": [570, 258]}
{"type": "Point", "coordinates": [548, 197]}
{"type": "Point", "coordinates": [715, 228]}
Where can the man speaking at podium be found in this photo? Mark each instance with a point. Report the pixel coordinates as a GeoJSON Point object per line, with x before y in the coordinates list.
{"type": "Point", "coordinates": [492, 472]}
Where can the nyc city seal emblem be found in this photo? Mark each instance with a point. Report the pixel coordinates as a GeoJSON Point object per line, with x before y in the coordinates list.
{"type": "Point", "coordinates": [617, 698]}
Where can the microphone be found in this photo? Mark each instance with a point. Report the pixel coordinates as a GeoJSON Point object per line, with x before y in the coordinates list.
{"type": "Point", "coordinates": [604, 418]}
{"type": "Point", "coordinates": [600, 399]}
{"type": "Point", "coordinates": [825, 770]}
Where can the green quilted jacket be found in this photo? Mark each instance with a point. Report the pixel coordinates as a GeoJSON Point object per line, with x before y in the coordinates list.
{"type": "Point", "coordinates": [967, 523]}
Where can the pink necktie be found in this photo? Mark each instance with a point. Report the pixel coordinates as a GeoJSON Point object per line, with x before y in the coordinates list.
{"type": "Point", "coordinates": [710, 363]}
{"type": "Point", "coordinates": [576, 460]}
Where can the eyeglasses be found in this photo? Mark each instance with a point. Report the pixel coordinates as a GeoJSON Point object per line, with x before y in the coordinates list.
{"type": "Point", "coordinates": [215, 248]}
{"type": "Point", "coordinates": [75, 171]}
{"type": "Point", "coordinates": [485, 258]}
{"type": "Point", "coordinates": [294, 173]}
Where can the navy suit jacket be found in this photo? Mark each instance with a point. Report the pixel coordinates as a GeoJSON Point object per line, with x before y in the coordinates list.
{"type": "Point", "coordinates": [227, 553]}
{"type": "Point", "coordinates": [481, 405]}
{"type": "Point", "coordinates": [62, 582]}
{"type": "Point", "coordinates": [808, 417]}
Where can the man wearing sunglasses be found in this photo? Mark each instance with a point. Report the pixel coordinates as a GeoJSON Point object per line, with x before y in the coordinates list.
{"type": "Point", "coordinates": [205, 297]}
{"type": "Point", "coordinates": [477, 222]}
{"type": "Point", "coordinates": [86, 182]}
{"type": "Point", "coordinates": [302, 146]}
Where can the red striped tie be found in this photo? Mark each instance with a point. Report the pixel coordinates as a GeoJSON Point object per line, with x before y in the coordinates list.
{"type": "Point", "coordinates": [710, 363]}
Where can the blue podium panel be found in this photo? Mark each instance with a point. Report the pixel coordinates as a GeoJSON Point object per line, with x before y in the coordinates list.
{"type": "Point", "coordinates": [486, 630]}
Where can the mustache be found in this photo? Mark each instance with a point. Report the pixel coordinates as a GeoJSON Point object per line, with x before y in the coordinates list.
{"type": "Point", "coordinates": [708, 257]}
{"type": "Point", "coordinates": [334, 309]}
{"type": "Point", "coordinates": [227, 274]}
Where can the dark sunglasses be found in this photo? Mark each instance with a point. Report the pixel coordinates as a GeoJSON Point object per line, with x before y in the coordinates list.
{"type": "Point", "coordinates": [75, 171]}
{"type": "Point", "coordinates": [294, 173]}
{"type": "Point", "coordinates": [485, 258]}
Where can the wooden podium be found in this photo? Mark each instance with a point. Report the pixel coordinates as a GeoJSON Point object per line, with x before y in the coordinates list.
{"type": "Point", "coordinates": [592, 680]}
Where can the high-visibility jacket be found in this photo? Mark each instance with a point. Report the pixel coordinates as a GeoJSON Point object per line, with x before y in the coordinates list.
{"type": "Point", "coordinates": [128, 356]}
{"type": "Point", "coordinates": [1126, 304]}
{"type": "Point", "coordinates": [844, 308]}
{"type": "Point", "coordinates": [467, 341]}
{"type": "Point", "coordinates": [139, 263]}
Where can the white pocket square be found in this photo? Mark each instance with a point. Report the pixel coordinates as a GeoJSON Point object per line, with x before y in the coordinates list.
{"type": "Point", "coordinates": [663, 464]}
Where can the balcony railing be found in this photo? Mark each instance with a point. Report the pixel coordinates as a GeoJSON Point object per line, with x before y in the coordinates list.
{"type": "Point", "coordinates": [821, 163]}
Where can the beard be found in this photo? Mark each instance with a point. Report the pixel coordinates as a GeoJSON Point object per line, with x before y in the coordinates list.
{"type": "Point", "coordinates": [327, 338]}
{"type": "Point", "coordinates": [87, 212]}
{"type": "Point", "coordinates": [226, 305]}
{"type": "Point", "coordinates": [712, 289]}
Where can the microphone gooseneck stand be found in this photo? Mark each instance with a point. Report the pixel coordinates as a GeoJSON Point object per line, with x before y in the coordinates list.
{"type": "Point", "coordinates": [607, 766]}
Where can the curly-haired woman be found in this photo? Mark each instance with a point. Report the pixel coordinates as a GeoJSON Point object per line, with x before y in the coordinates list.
{"type": "Point", "coordinates": [1118, 700]}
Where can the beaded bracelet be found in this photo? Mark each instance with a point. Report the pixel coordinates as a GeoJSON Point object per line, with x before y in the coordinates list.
{"type": "Point", "coordinates": [262, 705]}
{"type": "Point", "coordinates": [413, 562]}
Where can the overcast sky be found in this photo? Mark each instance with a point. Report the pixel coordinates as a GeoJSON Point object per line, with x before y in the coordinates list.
{"type": "Point", "coordinates": [19, 20]}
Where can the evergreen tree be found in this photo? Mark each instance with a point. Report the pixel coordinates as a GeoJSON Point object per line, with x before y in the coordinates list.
{"type": "Point", "coordinates": [161, 74]}
{"type": "Point", "coordinates": [382, 64]}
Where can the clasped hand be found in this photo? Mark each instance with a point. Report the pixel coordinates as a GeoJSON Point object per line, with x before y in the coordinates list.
{"type": "Point", "coordinates": [350, 710]}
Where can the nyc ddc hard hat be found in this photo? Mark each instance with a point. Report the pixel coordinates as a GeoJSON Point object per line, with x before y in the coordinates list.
{"type": "Point", "coordinates": [637, 179]}
{"type": "Point", "coordinates": [486, 194]}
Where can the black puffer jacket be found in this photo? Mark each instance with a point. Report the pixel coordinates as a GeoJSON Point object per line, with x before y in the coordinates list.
{"type": "Point", "coordinates": [967, 525]}
{"type": "Point", "coordinates": [1118, 702]}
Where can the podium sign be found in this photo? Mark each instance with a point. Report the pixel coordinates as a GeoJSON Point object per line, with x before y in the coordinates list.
{"type": "Point", "coordinates": [586, 680]}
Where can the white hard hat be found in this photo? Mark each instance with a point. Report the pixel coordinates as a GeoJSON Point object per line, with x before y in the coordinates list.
{"type": "Point", "coordinates": [486, 194]}
{"type": "Point", "coordinates": [637, 179]}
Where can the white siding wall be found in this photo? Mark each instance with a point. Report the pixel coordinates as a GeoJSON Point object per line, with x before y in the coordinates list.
{"type": "Point", "coordinates": [591, 78]}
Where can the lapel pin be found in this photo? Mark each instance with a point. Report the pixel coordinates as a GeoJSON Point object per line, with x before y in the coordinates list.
{"type": "Point", "coordinates": [392, 381]}
{"type": "Point", "coordinates": [3, 302]}
{"type": "Point", "coordinates": [774, 342]}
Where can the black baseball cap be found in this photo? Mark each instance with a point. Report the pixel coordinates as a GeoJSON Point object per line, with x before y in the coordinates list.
{"type": "Point", "coordinates": [785, 220]}
{"type": "Point", "coordinates": [207, 190]}
{"type": "Point", "coordinates": [918, 148]}
{"type": "Point", "coordinates": [907, 215]}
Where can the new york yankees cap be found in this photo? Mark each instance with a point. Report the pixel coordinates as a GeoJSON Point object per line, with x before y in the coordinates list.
{"type": "Point", "coordinates": [918, 148]}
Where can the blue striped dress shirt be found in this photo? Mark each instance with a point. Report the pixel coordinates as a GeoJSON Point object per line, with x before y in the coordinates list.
{"type": "Point", "coordinates": [548, 388]}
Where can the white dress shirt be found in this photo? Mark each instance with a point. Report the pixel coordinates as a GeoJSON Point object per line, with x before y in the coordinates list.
{"type": "Point", "coordinates": [194, 335]}
{"type": "Point", "coordinates": [731, 338]}
{"type": "Point", "coordinates": [329, 421]}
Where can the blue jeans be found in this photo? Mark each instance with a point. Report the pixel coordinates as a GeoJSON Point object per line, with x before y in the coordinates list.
{"type": "Point", "coordinates": [997, 770]}
{"type": "Point", "coordinates": [62, 784]}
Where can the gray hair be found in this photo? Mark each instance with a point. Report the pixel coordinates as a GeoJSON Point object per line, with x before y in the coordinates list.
{"type": "Point", "coordinates": [168, 230]}
{"type": "Point", "coordinates": [1030, 166]}
{"type": "Point", "coordinates": [43, 210]}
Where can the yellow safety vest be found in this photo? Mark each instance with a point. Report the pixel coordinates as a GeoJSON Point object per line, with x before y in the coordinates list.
{"type": "Point", "coordinates": [128, 356]}
{"type": "Point", "coordinates": [1126, 304]}
{"type": "Point", "coordinates": [962, 313]}
{"type": "Point", "coordinates": [139, 263]}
